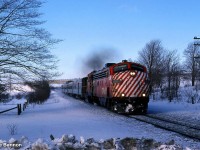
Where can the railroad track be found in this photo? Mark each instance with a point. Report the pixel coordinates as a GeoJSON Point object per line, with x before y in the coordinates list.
{"type": "Point", "coordinates": [174, 120]}
{"type": "Point", "coordinates": [180, 127]}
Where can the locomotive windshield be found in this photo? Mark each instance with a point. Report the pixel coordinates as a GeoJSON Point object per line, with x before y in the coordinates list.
{"type": "Point", "coordinates": [136, 67]}
{"type": "Point", "coordinates": [120, 68]}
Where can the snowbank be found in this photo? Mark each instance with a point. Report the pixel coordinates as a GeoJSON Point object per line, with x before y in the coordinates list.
{"type": "Point", "coordinates": [70, 142]}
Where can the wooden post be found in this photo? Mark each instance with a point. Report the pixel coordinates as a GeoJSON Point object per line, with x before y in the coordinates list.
{"type": "Point", "coordinates": [18, 109]}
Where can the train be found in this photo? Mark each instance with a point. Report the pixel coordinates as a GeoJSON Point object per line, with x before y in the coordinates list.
{"type": "Point", "coordinates": [121, 87]}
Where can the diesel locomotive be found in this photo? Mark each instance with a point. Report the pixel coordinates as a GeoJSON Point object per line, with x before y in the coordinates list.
{"type": "Point", "coordinates": [121, 87]}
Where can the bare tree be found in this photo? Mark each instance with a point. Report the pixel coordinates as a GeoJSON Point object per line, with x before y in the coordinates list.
{"type": "Point", "coordinates": [24, 45]}
{"type": "Point", "coordinates": [152, 55]}
{"type": "Point", "coordinates": [173, 73]}
{"type": "Point", "coordinates": [190, 64]}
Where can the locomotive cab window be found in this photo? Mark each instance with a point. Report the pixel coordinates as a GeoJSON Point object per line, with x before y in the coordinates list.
{"type": "Point", "coordinates": [120, 68]}
{"type": "Point", "coordinates": [138, 68]}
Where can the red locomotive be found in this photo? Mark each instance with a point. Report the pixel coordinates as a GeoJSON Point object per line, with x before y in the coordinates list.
{"type": "Point", "coordinates": [121, 87]}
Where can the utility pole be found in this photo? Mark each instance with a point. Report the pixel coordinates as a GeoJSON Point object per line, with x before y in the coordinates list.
{"type": "Point", "coordinates": [197, 56]}
{"type": "Point", "coordinates": [196, 45]}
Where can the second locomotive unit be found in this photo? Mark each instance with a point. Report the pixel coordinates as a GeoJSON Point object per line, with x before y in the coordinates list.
{"type": "Point", "coordinates": [122, 87]}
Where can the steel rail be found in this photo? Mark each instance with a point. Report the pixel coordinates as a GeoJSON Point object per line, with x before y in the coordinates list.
{"type": "Point", "coordinates": [168, 125]}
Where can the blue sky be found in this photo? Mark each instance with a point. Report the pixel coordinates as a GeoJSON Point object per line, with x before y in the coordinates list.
{"type": "Point", "coordinates": [123, 25]}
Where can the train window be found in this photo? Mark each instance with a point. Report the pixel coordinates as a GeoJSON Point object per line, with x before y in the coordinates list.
{"type": "Point", "coordinates": [136, 67]}
{"type": "Point", "coordinates": [120, 68]}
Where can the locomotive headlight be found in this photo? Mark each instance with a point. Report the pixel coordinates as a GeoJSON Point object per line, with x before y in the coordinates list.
{"type": "Point", "coordinates": [143, 94]}
{"type": "Point", "coordinates": [132, 73]}
{"type": "Point", "coordinates": [123, 94]}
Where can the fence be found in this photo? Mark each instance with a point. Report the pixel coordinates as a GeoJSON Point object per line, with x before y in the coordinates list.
{"type": "Point", "coordinates": [18, 107]}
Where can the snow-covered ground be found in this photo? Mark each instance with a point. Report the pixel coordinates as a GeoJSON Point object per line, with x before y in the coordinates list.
{"type": "Point", "coordinates": [19, 89]}
{"type": "Point", "coordinates": [62, 114]}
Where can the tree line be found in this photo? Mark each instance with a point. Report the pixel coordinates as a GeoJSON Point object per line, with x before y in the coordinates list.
{"type": "Point", "coordinates": [166, 70]}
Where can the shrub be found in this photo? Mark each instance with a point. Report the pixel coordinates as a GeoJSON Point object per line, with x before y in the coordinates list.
{"type": "Point", "coordinates": [12, 128]}
{"type": "Point", "coordinates": [3, 95]}
{"type": "Point", "coordinates": [41, 92]}
{"type": "Point", "coordinates": [19, 96]}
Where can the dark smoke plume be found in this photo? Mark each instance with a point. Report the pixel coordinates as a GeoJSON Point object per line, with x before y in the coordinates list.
{"type": "Point", "coordinates": [98, 58]}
